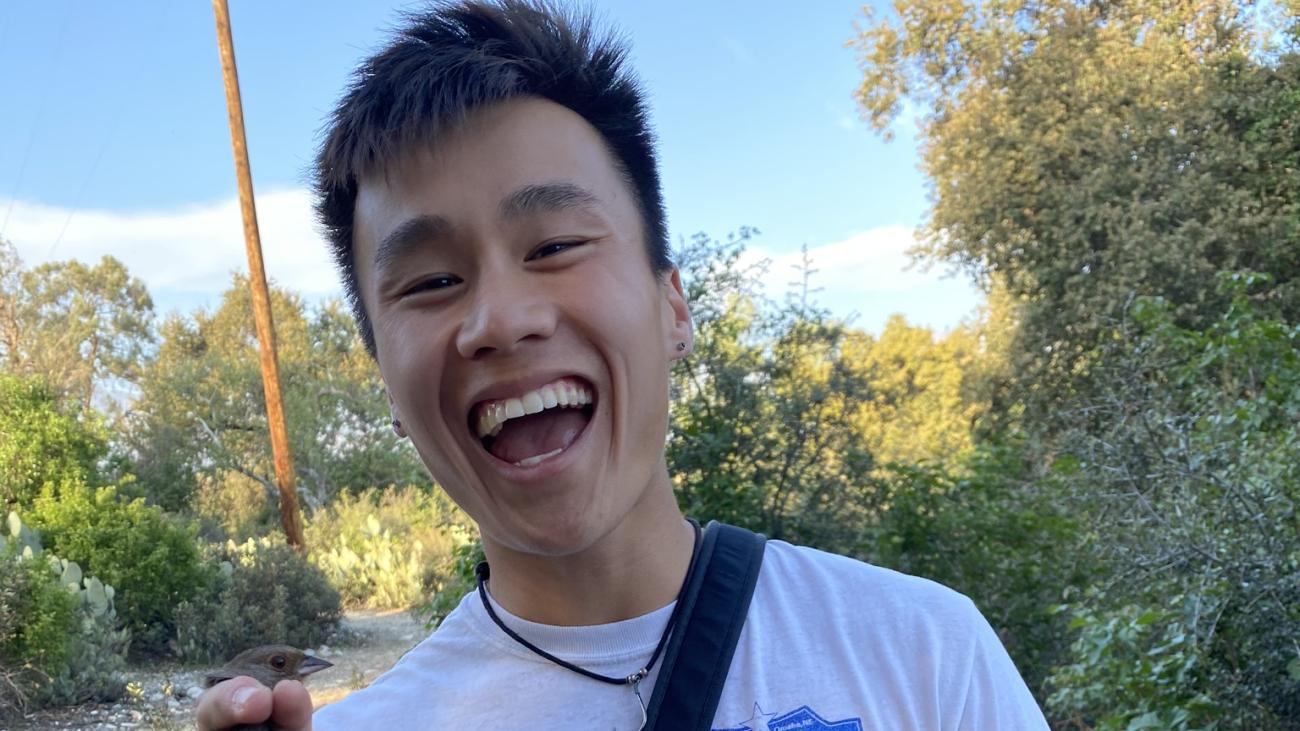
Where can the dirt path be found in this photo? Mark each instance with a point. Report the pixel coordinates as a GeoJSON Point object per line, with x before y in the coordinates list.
{"type": "Point", "coordinates": [370, 643]}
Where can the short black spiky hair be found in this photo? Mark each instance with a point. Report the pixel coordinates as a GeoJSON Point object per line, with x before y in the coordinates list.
{"type": "Point", "coordinates": [458, 56]}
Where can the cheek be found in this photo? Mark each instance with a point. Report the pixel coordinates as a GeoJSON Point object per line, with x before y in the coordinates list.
{"type": "Point", "coordinates": [411, 367]}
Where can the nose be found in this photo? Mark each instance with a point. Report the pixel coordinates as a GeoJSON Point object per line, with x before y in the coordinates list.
{"type": "Point", "coordinates": [505, 311]}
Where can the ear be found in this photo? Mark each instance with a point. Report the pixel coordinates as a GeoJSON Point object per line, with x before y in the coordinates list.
{"type": "Point", "coordinates": [678, 327]}
{"type": "Point", "coordinates": [398, 429]}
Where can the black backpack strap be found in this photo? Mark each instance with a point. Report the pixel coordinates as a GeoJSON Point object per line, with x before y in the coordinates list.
{"type": "Point", "coordinates": [714, 608]}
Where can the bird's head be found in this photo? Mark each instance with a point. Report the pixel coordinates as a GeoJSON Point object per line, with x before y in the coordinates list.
{"type": "Point", "coordinates": [269, 664]}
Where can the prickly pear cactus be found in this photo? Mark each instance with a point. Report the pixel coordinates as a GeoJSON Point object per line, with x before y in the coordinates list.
{"type": "Point", "coordinates": [25, 541]}
{"type": "Point", "coordinates": [98, 598]}
{"type": "Point", "coordinates": [69, 573]}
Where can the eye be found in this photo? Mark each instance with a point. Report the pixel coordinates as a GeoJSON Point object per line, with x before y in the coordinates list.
{"type": "Point", "coordinates": [278, 662]}
{"type": "Point", "coordinates": [552, 248]}
{"type": "Point", "coordinates": [440, 281]}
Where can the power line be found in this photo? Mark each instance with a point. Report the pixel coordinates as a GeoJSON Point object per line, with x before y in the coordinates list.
{"type": "Point", "coordinates": [55, 51]}
{"type": "Point", "coordinates": [108, 138]}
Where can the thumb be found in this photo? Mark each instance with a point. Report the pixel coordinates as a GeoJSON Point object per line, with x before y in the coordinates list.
{"type": "Point", "coordinates": [239, 701]}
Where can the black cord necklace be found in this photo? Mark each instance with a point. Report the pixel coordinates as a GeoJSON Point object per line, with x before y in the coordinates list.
{"type": "Point", "coordinates": [482, 573]}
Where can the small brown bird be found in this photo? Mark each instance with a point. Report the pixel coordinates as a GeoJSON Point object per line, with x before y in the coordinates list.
{"type": "Point", "coordinates": [268, 664]}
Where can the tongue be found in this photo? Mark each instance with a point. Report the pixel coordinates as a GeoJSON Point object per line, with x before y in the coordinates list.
{"type": "Point", "coordinates": [540, 433]}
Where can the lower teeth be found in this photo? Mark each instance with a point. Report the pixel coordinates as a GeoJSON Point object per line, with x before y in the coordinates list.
{"type": "Point", "coordinates": [530, 461]}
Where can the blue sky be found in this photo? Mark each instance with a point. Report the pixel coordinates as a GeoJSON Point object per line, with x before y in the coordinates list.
{"type": "Point", "coordinates": [114, 140]}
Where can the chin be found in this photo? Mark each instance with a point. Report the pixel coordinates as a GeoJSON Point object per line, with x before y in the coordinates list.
{"type": "Point", "coordinates": [555, 533]}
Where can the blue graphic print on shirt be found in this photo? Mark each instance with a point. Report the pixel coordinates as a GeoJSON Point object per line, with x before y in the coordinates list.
{"type": "Point", "coordinates": [802, 718]}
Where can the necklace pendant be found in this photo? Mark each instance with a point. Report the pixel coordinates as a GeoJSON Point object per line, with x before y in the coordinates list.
{"type": "Point", "coordinates": [635, 681]}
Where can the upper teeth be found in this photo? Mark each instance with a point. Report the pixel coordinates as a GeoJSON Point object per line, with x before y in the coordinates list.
{"type": "Point", "coordinates": [564, 393]}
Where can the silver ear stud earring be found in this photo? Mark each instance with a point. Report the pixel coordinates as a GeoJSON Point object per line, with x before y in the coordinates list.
{"type": "Point", "coordinates": [681, 346]}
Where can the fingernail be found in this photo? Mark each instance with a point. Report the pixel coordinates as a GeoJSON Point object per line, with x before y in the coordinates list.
{"type": "Point", "coordinates": [241, 697]}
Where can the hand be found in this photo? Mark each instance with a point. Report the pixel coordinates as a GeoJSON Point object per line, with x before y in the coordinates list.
{"type": "Point", "coordinates": [244, 703]}
{"type": "Point", "coordinates": [240, 695]}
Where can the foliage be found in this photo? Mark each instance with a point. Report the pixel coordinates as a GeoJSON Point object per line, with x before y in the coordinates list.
{"type": "Point", "coordinates": [59, 640]}
{"type": "Point", "coordinates": [1083, 153]}
{"type": "Point", "coordinates": [1135, 669]}
{"type": "Point", "coordinates": [983, 529]}
{"type": "Point", "coordinates": [1189, 469]}
{"type": "Point", "coordinates": [1102, 164]}
{"type": "Point", "coordinates": [762, 420]}
{"type": "Point", "coordinates": [386, 548]}
{"type": "Point", "coordinates": [201, 414]}
{"type": "Point", "coordinates": [925, 393]}
{"type": "Point", "coordinates": [152, 560]}
{"type": "Point", "coordinates": [266, 593]}
{"type": "Point", "coordinates": [460, 581]}
{"type": "Point", "coordinates": [781, 415]}
{"type": "Point", "coordinates": [230, 506]}
{"type": "Point", "coordinates": [77, 326]}
{"type": "Point", "coordinates": [35, 616]}
{"type": "Point", "coordinates": [44, 441]}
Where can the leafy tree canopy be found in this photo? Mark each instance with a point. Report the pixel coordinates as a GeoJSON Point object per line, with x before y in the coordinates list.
{"type": "Point", "coordinates": [201, 418]}
{"type": "Point", "coordinates": [1083, 154]}
{"type": "Point", "coordinates": [75, 325]}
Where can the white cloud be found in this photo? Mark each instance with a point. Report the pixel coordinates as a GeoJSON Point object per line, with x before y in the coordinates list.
{"type": "Point", "coordinates": [185, 255]}
{"type": "Point", "coordinates": [870, 275]}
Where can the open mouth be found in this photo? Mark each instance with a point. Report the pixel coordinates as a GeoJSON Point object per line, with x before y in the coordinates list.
{"type": "Point", "coordinates": [533, 427]}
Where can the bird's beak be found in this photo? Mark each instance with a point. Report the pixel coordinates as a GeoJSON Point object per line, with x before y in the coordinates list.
{"type": "Point", "coordinates": [311, 664]}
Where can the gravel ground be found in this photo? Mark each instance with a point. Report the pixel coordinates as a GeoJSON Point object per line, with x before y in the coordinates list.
{"type": "Point", "coordinates": [371, 642]}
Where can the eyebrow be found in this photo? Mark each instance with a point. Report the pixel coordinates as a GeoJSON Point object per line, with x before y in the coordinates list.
{"type": "Point", "coordinates": [523, 201]}
{"type": "Point", "coordinates": [410, 235]}
{"type": "Point", "coordinates": [546, 198]}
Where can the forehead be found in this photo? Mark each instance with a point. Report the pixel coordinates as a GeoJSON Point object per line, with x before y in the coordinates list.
{"type": "Point", "coordinates": [496, 151]}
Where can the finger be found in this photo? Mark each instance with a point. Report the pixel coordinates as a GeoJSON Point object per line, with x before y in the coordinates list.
{"type": "Point", "coordinates": [233, 702]}
{"type": "Point", "coordinates": [292, 707]}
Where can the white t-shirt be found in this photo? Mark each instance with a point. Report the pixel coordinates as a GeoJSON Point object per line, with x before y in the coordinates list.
{"type": "Point", "coordinates": [830, 644]}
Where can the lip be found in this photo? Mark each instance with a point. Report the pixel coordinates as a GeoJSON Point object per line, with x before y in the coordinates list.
{"type": "Point", "coordinates": [515, 387]}
{"type": "Point", "coordinates": [545, 469]}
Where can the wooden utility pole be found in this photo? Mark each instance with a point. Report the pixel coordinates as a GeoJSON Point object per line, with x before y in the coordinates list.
{"type": "Point", "coordinates": [284, 477]}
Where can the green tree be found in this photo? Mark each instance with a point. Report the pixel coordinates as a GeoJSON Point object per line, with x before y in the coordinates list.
{"type": "Point", "coordinates": [926, 393]}
{"type": "Point", "coordinates": [77, 326]}
{"type": "Point", "coordinates": [1103, 164]}
{"type": "Point", "coordinates": [44, 441]}
{"type": "Point", "coordinates": [1087, 153]}
{"type": "Point", "coordinates": [763, 414]}
{"type": "Point", "coordinates": [201, 420]}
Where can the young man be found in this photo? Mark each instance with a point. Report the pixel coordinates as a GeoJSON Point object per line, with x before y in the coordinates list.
{"type": "Point", "coordinates": [490, 189]}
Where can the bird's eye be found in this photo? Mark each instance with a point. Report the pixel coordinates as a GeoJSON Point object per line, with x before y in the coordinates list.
{"type": "Point", "coordinates": [278, 662]}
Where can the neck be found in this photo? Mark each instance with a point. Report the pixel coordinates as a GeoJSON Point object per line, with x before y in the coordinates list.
{"type": "Point", "coordinates": [634, 569]}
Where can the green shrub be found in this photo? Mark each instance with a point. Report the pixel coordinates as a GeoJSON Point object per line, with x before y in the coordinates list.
{"type": "Point", "coordinates": [983, 532]}
{"type": "Point", "coordinates": [59, 637]}
{"type": "Point", "coordinates": [1134, 668]}
{"type": "Point", "coordinates": [267, 593]}
{"type": "Point", "coordinates": [36, 614]}
{"type": "Point", "coordinates": [1187, 480]}
{"type": "Point", "coordinates": [459, 581]}
{"type": "Point", "coordinates": [153, 561]}
{"type": "Point", "coordinates": [386, 548]}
